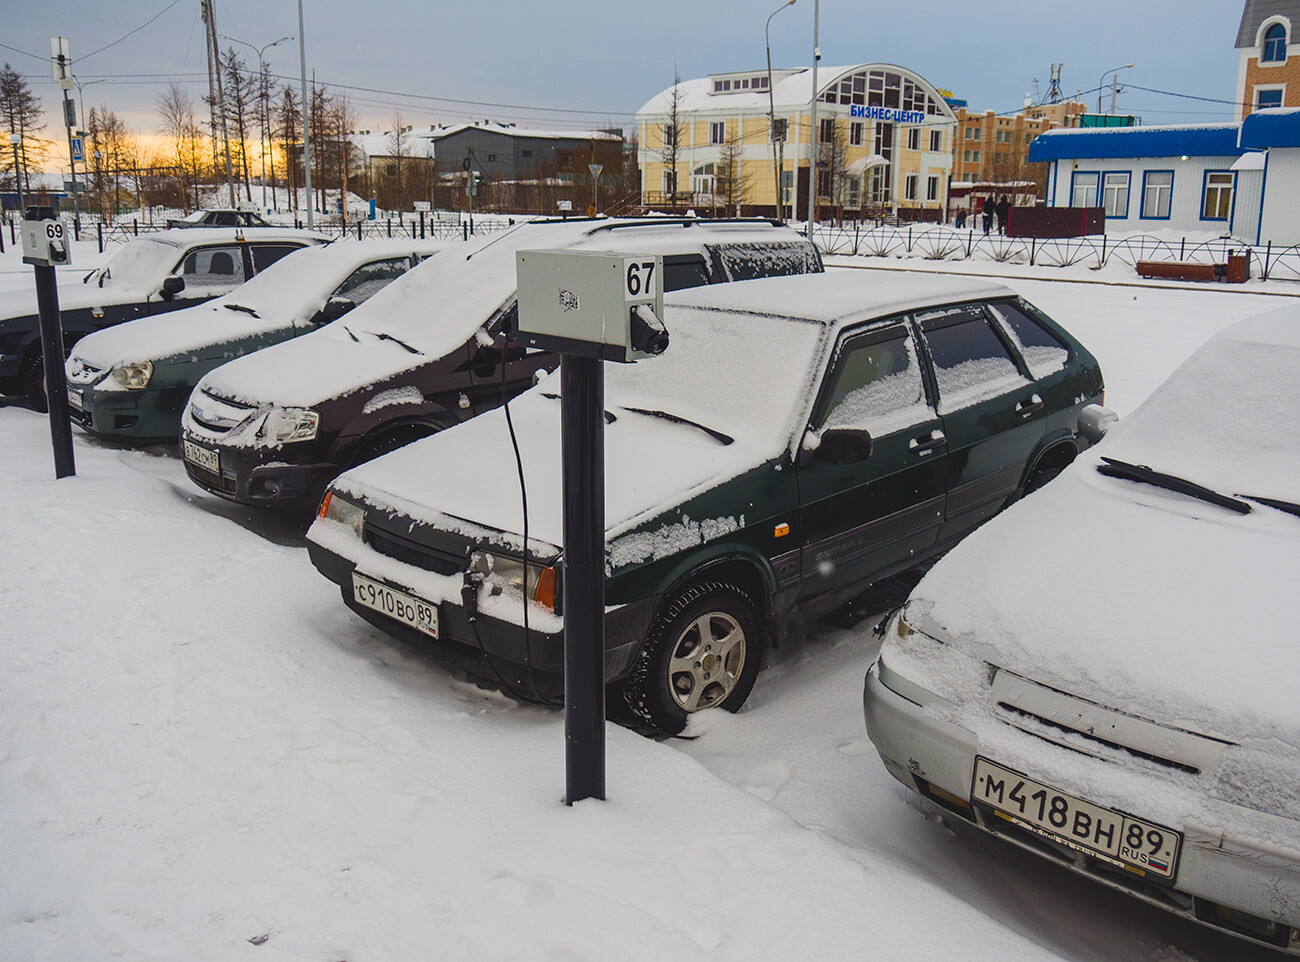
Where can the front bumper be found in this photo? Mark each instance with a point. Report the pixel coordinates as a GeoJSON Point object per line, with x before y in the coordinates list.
{"type": "Point", "coordinates": [148, 415]}
{"type": "Point", "coordinates": [262, 477]}
{"type": "Point", "coordinates": [1228, 882]}
{"type": "Point", "coordinates": [490, 648]}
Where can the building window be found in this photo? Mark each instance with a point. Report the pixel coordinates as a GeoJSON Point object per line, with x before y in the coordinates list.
{"type": "Point", "coordinates": [855, 134]}
{"type": "Point", "coordinates": [909, 187]}
{"type": "Point", "coordinates": [1115, 194]}
{"type": "Point", "coordinates": [973, 133]}
{"type": "Point", "coordinates": [526, 153]}
{"type": "Point", "coordinates": [975, 156]}
{"type": "Point", "coordinates": [826, 130]}
{"type": "Point", "coordinates": [966, 156]}
{"type": "Point", "coordinates": [1157, 189]}
{"type": "Point", "coordinates": [936, 140]}
{"type": "Point", "coordinates": [760, 83]}
{"type": "Point", "coordinates": [1083, 190]}
{"type": "Point", "coordinates": [718, 132]}
{"type": "Point", "coordinates": [1274, 44]}
{"type": "Point", "coordinates": [932, 188]}
{"type": "Point", "coordinates": [914, 138]}
{"type": "Point", "coordinates": [1269, 97]}
{"type": "Point", "coordinates": [1218, 195]}
{"type": "Point", "coordinates": [702, 179]}
{"type": "Point", "coordinates": [670, 135]}
{"type": "Point", "coordinates": [852, 191]}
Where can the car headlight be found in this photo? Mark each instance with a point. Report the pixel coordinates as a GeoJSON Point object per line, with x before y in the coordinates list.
{"type": "Point", "coordinates": [503, 573]}
{"type": "Point", "coordinates": [335, 507]}
{"type": "Point", "coordinates": [290, 424]}
{"type": "Point", "coordinates": [134, 376]}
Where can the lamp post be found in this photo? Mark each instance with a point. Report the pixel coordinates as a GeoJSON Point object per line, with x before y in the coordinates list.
{"type": "Point", "coordinates": [261, 96]}
{"type": "Point", "coordinates": [16, 140]}
{"type": "Point", "coordinates": [777, 161]}
{"type": "Point", "coordinates": [1102, 82]}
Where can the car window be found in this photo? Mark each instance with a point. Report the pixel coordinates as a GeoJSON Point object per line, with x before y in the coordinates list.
{"type": "Point", "coordinates": [971, 362]}
{"type": "Point", "coordinates": [213, 266]}
{"type": "Point", "coordinates": [371, 278]}
{"type": "Point", "coordinates": [743, 262]}
{"type": "Point", "coordinates": [876, 384]}
{"type": "Point", "coordinates": [684, 272]}
{"type": "Point", "coordinates": [1042, 350]}
{"type": "Point", "coordinates": [225, 219]}
{"type": "Point", "coordinates": [264, 255]}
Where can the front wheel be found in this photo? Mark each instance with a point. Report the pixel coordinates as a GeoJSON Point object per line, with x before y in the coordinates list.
{"type": "Point", "coordinates": [703, 651]}
{"type": "Point", "coordinates": [31, 380]}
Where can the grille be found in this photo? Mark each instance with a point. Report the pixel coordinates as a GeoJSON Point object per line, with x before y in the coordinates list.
{"type": "Point", "coordinates": [217, 414]}
{"type": "Point", "coordinates": [1090, 737]}
{"type": "Point", "coordinates": [412, 553]}
{"type": "Point", "coordinates": [213, 482]}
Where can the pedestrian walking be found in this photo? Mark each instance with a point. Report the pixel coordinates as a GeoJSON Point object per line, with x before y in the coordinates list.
{"type": "Point", "coordinates": [1003, 211]}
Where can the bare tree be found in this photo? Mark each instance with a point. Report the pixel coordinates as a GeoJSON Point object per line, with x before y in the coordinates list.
{"type": "Point", "coordinates": [186, 148]}
{"type": "Point", "coordinates": [341, 121]}
{"type": "Point", "coordinates": [731, 182]}
{"type": "Point", "coordinates": [670, 137]}
{"type": "Point", "coordinates": [318, 118]}
{"type": "Point", "coordinates": [289, 129]}
{"type": "Point", "coordinates": [240, 90]}
{"type": "Point", "coordinates": [21, 110]}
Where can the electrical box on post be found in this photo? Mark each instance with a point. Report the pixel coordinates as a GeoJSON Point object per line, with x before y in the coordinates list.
{"type": "Point", "coordinates": [45, 241]}
{"type": "Point", "coordinates": [590, 304]}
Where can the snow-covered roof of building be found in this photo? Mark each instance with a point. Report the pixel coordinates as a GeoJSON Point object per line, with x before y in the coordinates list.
{"type": "Point", "coordinates": [1257, 11]}
{"type": "Point", "coordinates": [511, 130]}
{"type": "Point", "coordinates": [1271, 128]}
{"type": "Point", "coordinates": [379, 143]}
{"type": "Point", "coordinates": [1173, 140]}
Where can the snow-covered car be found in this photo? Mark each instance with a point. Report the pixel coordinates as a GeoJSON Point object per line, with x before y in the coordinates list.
{"type": "Point", "coordinates": [435, 348]}
{"type": "Point", "coordinates": [219, 217]}
{"type": "Point", "coordinates": [1106, 675]}
{"type": "Point", "coordinates": [132, 381]}
{"type": "Point", "coordinates": [151, 274]}
{"type": "Point", "coordinates": [800, 438]}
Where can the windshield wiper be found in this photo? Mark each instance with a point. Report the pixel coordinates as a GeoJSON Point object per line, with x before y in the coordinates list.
{"type": "Point", "coordinates": [1290, 507]}
{"type": "Point", "coordinates": [725, 439]}
{"type": "Point", "coordinates": [609, 418]}
{"type": "Point", "coordinates": [1141, 473]}
{"type": "Point", "coordinates": [395, 340]}
{"type": "Point", "coordinates": [350, 334]}
{"type": "Point", "coordinates": [241, 307]}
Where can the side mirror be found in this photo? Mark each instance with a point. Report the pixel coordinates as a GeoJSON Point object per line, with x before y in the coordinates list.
{"type": "Point", "coordinates": [172, 285]}
{"type": "Point", "coordinates": [336, 307]}
{"type": "Point", "coordinates": [1094, 422]}
{"type": "Point", "coordinates": [837, 446]}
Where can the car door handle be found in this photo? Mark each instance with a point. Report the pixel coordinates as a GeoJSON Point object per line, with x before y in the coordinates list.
{"type": "Point", "coordinates": [924, 446]}
{"type": "Point", "coordinates": [1032, 406]}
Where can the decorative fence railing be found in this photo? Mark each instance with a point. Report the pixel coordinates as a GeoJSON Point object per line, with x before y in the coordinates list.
{"type": "Point", "coordinates": [940, 242]}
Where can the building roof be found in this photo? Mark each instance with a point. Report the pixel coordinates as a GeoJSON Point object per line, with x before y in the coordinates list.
{"type": "Point", "coordinates": [1271, 128]}
{"type": "Point", "coordinates": [791, 90]}
{"type": "Point", "coordinates": [1175, 140]}
{"type": "Point", "coordinates": [1257, 11]}
{"type": "Point", "coordinates": [510, 130]}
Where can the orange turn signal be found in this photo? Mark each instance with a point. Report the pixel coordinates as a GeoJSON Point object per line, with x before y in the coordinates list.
{"type": "Point", "coordinates": [781, 530]}
{"type": "Point", "coordinates": [544, 593]}
{"type": "Point", "coordinates": [325, 504]}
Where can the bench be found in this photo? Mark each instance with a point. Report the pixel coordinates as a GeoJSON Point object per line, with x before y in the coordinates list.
{"type": "Point", "coordinates": [1236, 271]}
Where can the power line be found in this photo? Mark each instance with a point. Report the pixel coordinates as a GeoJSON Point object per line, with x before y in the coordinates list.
{"type": "Point", "coordinates": [135, 31]}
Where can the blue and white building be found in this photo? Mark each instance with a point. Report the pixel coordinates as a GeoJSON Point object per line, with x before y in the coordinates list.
{"type": "Point", "coordinates": [1241, 179]}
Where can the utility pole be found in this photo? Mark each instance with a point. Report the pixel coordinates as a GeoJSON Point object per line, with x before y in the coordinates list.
{"type": "Point", "coordinates": [61, 67]}
{"type": "Point", "coordinates": [214, 71]}
{"type": "Point", "coordinates": [306, 111]}
{"type": "Point", "coordinates": [812, 166]}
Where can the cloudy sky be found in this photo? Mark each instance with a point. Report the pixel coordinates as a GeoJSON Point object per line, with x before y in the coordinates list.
{"type": "Point", "coordinates": [584, 63]}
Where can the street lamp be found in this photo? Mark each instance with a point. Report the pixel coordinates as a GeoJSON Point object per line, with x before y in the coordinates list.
{"type": "Point", "coordinates": [81, 96]}
{"type": "Point", "coordinates": [777, 162]}
{"type": "Point", "coordinates": [261, 91]}
{"type": "Point", "coordinates": [1102, 82]}
{"type": "Point", "coordinates": [16, 139]}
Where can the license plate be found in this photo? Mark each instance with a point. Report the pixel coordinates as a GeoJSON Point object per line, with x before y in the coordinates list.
{"type": "Point", "coordinates": [1120, 839]}
{"type": "Point", "coordinates": [396, 604]}
{"type": "Point", "coordinates": [202, 457]}
{"type": "Point", "coordinates": [74, 399]}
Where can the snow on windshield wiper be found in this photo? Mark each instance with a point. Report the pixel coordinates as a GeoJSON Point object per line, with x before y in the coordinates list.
{"type": "Point", "coordinates": [241, 307]}
{"type": "Point", "coordinates": [349, 333]}
{"type": "Point", "coordinates": [609, 418]}
{"type": "Point", "coordinates": [725, 439]}
{"type": "Point", "coordinates": [395, 340]}
{"type": "Point", "coordinates": [1140, 472]}
{"type": "Point", "coordinates": [1290, 507]}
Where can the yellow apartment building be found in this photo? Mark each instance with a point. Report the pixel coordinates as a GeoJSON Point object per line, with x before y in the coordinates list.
{"type": "Point", "coordinates": [885, 141]}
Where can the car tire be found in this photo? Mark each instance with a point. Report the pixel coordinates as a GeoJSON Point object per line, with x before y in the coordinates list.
{"type": "Point", "coordinates": [703, 651]}
{"type": "Point", "coordinates": [31, 381]}
{"type": "Point", "coordinates": [382, 444]}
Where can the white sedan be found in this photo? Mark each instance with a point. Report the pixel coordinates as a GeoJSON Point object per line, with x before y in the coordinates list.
{"type": "Point", "coordinates": [1107, 673]}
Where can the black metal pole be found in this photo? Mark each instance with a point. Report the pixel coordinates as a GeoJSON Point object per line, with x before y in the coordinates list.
{"type": "Point", "coordinates": [56, 386]}
{"type": "Point", "coordinates": [582, 419]}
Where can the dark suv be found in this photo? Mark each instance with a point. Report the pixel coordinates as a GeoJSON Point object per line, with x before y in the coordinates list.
{"type": "Point", "coordinates": [801, 438]}
{"type": "Point", "coordinates": [433, 349]}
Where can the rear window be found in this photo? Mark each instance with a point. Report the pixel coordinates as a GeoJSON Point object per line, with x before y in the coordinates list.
{"type": "Point", "coordinates": [213, 266]}
{"type": "Point", "coordinates": [684, 272]}
{"type": "Point", "coordinates": [1042, 350]}
{"type": "Point", "coordinates": [971, 362]}
{"type": "Point", "coordinates": [744, 262]}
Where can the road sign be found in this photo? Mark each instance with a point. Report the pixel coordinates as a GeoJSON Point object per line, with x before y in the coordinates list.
{"type": "Point", "coordinates": [78, 155]}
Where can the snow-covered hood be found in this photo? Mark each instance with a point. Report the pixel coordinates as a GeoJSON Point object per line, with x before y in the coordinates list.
{"type": "Point", "coordinates": [308, 370]}
{"type": "Point", "coordinates": [469, 473]}
{"type": "Point", "coordinates": [197, 331]}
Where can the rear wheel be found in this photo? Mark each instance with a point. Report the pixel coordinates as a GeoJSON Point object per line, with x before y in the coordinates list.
{"type": "Point", "coordinates": [703, 651]}
{"type": "Point", "coordinates": [31, 380]}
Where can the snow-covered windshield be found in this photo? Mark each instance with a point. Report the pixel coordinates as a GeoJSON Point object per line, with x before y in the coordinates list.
{"type": "Point", "coordinates": [304, 277]}
{"type": "Point", "coordinates": [143, 262]}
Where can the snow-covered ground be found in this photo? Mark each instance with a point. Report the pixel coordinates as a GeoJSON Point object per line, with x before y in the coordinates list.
{"type": "Point", "coordinates": [207, 756]}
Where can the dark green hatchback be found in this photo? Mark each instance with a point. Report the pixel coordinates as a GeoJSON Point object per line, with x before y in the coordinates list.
{"type": "Point", "coordinates": [801, 438]}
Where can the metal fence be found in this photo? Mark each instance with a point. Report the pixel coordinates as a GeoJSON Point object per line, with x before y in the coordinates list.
{"type": "Point", "coordinates": [941, 242]}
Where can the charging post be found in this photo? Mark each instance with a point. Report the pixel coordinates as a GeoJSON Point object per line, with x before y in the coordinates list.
{"type": "Point", "coordinates": [45, 244]}
{"type": "Point", "coordinates": [590, 307]}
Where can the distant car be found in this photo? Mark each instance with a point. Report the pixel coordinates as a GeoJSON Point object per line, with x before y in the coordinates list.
{"type": "Point", "coordinates": [1106, 675]}
{"type": "Point", "coordinates": [426, 353]}
{"type": "Point", "coordinates": [151, 274]}
{"type": "Point", "coordinates": [219, 217]}
{"type": "Point", "coordinates": [800, 438]}
{"type": "Point", "coordinates": [132, 381]}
